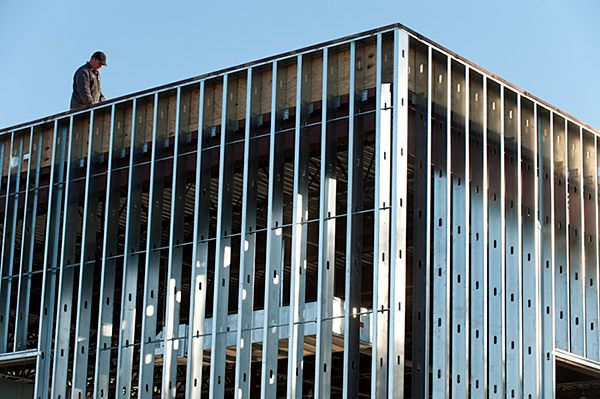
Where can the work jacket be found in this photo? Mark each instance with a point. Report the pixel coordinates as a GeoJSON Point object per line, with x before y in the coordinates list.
{"type": "Point", "coordinates": [86, 87]}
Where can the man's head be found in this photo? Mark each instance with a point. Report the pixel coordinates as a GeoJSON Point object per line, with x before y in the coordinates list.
{"type": "Point", "coordinates": [98, 60]}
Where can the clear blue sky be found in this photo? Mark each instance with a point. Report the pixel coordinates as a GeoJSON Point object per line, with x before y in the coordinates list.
{"type": "Point", "coordinates": [550, 48]}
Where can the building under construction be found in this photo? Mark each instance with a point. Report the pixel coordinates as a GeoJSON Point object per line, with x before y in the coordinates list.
{"type": "Point", "coordinates": [373, 216]}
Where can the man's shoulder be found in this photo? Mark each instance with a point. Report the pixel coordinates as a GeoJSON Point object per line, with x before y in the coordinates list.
{"type": "Point", "coordinates": [85, 68]}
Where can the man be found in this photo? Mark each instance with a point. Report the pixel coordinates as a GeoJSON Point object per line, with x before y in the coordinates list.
{"type": "Point", "coordinates": [86, 82]}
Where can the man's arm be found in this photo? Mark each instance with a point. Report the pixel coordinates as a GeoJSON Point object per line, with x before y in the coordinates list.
{"type": "Point", "coordinates": [82, 80]}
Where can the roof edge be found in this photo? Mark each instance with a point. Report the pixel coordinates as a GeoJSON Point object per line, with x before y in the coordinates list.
{"type": "Point", "coordinates": [371, 32]}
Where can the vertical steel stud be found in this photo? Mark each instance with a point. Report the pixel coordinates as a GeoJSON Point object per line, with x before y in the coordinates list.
{"type": "Point", "coordinates": [383, 133]}
{"type": "Point", "coordinates": [273, 272]}
{"type": "Point", "coordinates": [199, 270]}
{"type": "Point", "coordinates": [397, 359]}
{"type": "Point", "coordinates": [299, 236]}
{"type": "Point", "coordinates": [326, 250]}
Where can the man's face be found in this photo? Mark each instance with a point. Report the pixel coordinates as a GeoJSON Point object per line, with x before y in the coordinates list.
{"type": "Point", "coordinates": [95, 63]}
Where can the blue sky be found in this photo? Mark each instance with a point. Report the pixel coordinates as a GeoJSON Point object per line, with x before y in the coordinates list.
{"type": "Point", "coordinates": [549, 48]}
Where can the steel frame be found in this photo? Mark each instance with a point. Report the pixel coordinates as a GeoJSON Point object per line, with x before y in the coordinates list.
{"type": "Point", "coordinates": [485, 236]}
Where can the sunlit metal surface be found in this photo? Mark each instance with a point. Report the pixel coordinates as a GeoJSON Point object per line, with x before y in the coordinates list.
{"type": "Point", "coordinates": [373, 216]}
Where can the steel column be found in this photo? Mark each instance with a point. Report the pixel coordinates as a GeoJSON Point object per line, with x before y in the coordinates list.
{"type": "Point", "coordinates": [67, 259]}
{"type": "Point", "coordinates": [561, 280]}
{"type": "Point", "coordinates": [222, 260]}
{"type": "Point", "coordinates": [299, 237]}
{"type": "Point", "coordinates": [397, 314]}
{"type": "Point", "coordinates": [460, 231]}
{"type": "Point", "coordinates": [171, 339]}
{"type": "Point", "coordinates": [379, 349]}
{"type": "Point", "coordinates": [273, 272]}
{"type": "Point", "coordinates": [441, 237]}
{"type": "Point", "coordinates": [418, 184]}
{"type": "Point", "coordinates": [131, 259]}
{"type": "Point", "coordinates": [353, 249]}
{"type": "Point", "coordinates": [590, 176]}
{"type": "Point", "coordinates": [152, 269]}
{"type": "Point", "coordinates": [198, 285]}
{"type": "Point", "coordinates": [546, 205]}
{"type": "Point", "coordinates": [576, 242]}
{"type": "Point", "coordinates": [478, 238]}
{"type": "Point", "coordinates": [8, 240]}
{"type": "Point", "coordinates": [247, 259]}
{"type": "Point", "coordinates": [530, 254]}
{"type": "Point", "coordinates": [50, 264]}
{"type": "Point", "coordinates": [496, 270]}
{"type": "Point", "coordinates": [326, 244]}
{"type": "Point", "coordinates": [23, 292]}
{"type": "Point", "coordinates": [86, 262]}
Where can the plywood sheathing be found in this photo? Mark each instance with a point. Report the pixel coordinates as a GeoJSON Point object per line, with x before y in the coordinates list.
{"type": "Point", "coordinates": [241, 87]}
{"type": "Point", "coordinates": [47, 144]}
{"type": "Point", "coordinates": [102, 128]}
{"type": "Point", "coordinates": [81, 129]}
{"type": "Point", "coordinates": [145, 117]}
{"type": "Point", "coordinates": [122, 129]}
{"type": "Point", "coordinates": [171, 113]}
{"type": "Point", "coordinates": [189, 109]}
{"type": "Point", "coordinates": [213, 103]}
{"type": "Point", "coordinates": [266, 90]}
{"type": "Point", "coordinates": [316, 82]}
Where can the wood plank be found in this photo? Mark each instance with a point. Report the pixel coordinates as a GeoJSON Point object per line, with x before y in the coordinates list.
{"type": "Point", "coordinates": [148, 114]}
{"type": "Point", "coordinates": [343, 72]}
{"type": "Point", "coordinates": [290, 88]}
{"type": "Point", "coordinates": [370, 67]}
{"type": "Point", "coordinates": [316, 83]}
{"type": "Point", "coordinates": [240, 109]}
{"type": "Point", "coordinates": [127, 127]}
{"type": "Point", "coordinates": [171, 114]}
{"type": "Point", "coordinates": [47, 137]}
{"type": "Point", "coordinates": [265, 96]}
{"type": "Point", "coordinates": [194, 104]}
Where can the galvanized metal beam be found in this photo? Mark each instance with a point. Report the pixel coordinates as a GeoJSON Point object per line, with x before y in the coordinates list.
{"type": "Point", "coordinates": [247, 256]}
{"type": "Point", "coordinates": [299, 236]}
{"type": "Point", "coordinates": [590, 192]}
{"type": "Point", "coordinates": [513, 232]}
{"type": "Point", "coordinates": [222, 258]}
{"type": "Point", "coordinates": [418, 185]}
{"type": "Point", "coordinates": [198, 286]}
{"type": "Point", "coordinates": [8, 239]}
{"type": "Point", "coordinates": [531, 246]}
{"type": "Point", "coordinates": [273, 272]}
{"type": "Point", "coordinates": [397, 359]}
{"type": "Point", "coordinates": [546, 207]}
{"type": "Point", "coordinates": [478, 237]}
{"type": "Point", "coordinates": [24, 285]}
{"type": "Point", "coordinates": [561, 279]}
{"type": "Point", "coordinates": [381, 273]}
{"type": "Point", "coordinates": [88, 250]}
{"type": "Point", "coordinates": [575, 236]}
{"type": "Point", "coordinates": [353, 244]}
{"type": "Point", "coordinates": [135, 180]}
{"type": "Point", "coordinates": [460, 230]}
{"type": "Point", "coordinates": [55, 194]}
{"type": "Point", "coordinates": [67, 260]}
{"type": "Point", "coordinates": [496, 268]}
{"type": "Point", "coordinates": [171, 340]}
{"type": "Point", "coordinates": [326, 242]}
{"type": "Point", "coordinates": [441, 232]}
{"type": "Point", "coordinates": [152, 268]}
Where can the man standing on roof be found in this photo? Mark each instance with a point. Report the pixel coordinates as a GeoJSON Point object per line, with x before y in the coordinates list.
{"type": "Point", "coordinates": [86, 82]}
